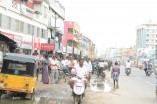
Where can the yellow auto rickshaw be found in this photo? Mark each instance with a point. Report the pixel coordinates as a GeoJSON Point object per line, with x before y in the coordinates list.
{"type": "Point", "coordinates": [19, 74]}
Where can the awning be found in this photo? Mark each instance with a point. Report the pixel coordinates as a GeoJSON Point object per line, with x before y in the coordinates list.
{"type": "Point", "coordinates": [6, 39]}
{"type": "Point", "coordinates": [47, 47]}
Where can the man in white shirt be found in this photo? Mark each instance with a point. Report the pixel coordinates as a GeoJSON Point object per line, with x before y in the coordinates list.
{"type": "Point", "coordinates": [101, 67]}
{"type": "Point", "coordinates": [54, 70]}
{"type": "Point", "coordinates": [88, 64]}
{"type": "Point", "coordinates": [128, 66]}
{"type": "Point", "coordinates": [80, 70]}
{"type": "Point", "coordinates": [65, 64]}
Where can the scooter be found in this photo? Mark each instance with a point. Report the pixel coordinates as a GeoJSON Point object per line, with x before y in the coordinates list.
{"type": "Point", "coordinates": [78, 89]}
{"type": "Point", "coordinates": [128, 71]}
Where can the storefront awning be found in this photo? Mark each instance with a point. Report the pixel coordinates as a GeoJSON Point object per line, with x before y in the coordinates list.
{"type": "Point", "coordinates": [47, 47]}
{"type": "Point", "coordinates": [6, 39]}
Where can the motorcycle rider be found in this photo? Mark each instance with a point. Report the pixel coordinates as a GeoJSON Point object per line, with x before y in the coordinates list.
{"type": "Point", "coordinates": [80, 69]}
{"type": "Point", "coordinates": [128, 65]}
{"type": "Point", "coordinates": [148, 66]}
{"type": "Point", "coordinates": [101, 67]}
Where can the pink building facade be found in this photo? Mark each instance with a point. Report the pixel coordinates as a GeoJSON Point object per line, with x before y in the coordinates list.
{"type": "Point", "coordinates": [71, 33]}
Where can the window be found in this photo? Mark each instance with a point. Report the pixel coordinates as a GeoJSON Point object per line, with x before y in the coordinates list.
{"type": "Point", "coordinates": [21, 26]}
{"type": "Point", "coordinates": [147, 34]}
{"type": "Point", "coordinates": [8, 22]}
{"type": "Point", "coordinates": [18, 68]}
{"type": "Point", "coordinates": [70, 30]}
{"type": "Point", "coordinates": [43, 35]}
{"type": "Point", "coordinates": [38, 31]}
{"type": "Point", "coordinates": [45, 12]}
{"type": "Point", "coordinates": [16, 25]}
{"type": "Point", "coordinates": [147, 40]}
{"type": "Point", "coordinates": [28, 29]}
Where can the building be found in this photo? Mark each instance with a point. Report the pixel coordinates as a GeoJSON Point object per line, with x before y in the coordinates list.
{"type": "Point", "coordinates": [20, 23]}
{"type": "Point", "coordinates": [26, 22]}
{"type": "Point", "coordinates": [56, 25]}
{"type": "Point", "coordinates": [71, 38]}
{"type": "Point", "coordinates": [146, 38]}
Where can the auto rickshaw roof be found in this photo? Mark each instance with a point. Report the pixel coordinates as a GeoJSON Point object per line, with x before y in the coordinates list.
{"type": "Point", "coordinates": [20, 57]}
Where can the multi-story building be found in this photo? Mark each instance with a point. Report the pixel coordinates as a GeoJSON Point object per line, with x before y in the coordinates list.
{"type": "Point", "coordinates": [71, 38]}
{"type": "Point", "coordinates": [26, 22]}
{"type": "Point", "coordinates": [20, 23]}
{"type": "Point", "coordinates": [146, 36]}
{"type": "Point", "coordinates": [56, 25]}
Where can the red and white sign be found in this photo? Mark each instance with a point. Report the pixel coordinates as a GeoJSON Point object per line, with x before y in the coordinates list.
{"type": "Point", "coordinates": [37, 43]}
{"type": "Point", "coordinates": [47, 47]}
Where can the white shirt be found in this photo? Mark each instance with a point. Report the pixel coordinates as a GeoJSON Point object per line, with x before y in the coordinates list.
{"type": "Point", "coordinates": [81, 70]}
{"type": "Point", "coordinates": [63, 63]}
{"type": "Point", "coordinates": [128, 65]}
{"type": "Point", "coordinates": [101, 64]}
{"type": "Point", "coordinates": [88, 65]}
{"type": "Point", "coordinates": [53, 62]}
{"type": "Point", "coordinates": [75, 62]}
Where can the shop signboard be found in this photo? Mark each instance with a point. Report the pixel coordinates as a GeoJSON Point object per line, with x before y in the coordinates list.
{"type": "Point", "coordinates": [47, 47]}
{"type": "Point", "coordinates": [26, 42]}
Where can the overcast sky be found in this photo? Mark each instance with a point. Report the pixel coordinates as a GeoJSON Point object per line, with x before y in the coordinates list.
{"type": "Point", "coordinates": [110, 22]}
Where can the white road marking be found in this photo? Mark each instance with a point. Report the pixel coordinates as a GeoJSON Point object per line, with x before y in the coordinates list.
{"type": "Point", "coordinates": [150, 83]}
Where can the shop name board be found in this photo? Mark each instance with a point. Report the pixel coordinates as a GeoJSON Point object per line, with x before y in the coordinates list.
{"type": "Point", "coordinates": [47, 47]}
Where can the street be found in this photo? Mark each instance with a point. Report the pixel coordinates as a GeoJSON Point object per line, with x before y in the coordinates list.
{"type": "Point", "coordinates": [134, 89]}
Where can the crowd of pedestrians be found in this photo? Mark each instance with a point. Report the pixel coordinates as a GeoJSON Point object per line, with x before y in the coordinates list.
{"type": "Point", "coordinates": [51, 65]}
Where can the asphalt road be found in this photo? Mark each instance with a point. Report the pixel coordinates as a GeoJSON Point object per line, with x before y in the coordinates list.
{"type": "Point", "coordinates": [134, 89]}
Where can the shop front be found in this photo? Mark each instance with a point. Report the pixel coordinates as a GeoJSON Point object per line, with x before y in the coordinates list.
{"type": "Point", "coordinates": [7, 44]}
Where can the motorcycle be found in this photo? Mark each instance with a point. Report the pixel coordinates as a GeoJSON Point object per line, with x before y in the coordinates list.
{"type": "Point", "coordinates": [78, 89]}
{"type": "Point", "coordinates": [101, 72]}
{"type": "Point", "coordinates": [128, 71]}
{"type": "Point", "coordinates": [148, 73]}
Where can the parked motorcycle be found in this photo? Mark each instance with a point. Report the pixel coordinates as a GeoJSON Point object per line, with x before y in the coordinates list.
{"type": "Point", "coordinates": [128, 71]}
{"type": "Point", "coordinates": [78, 89]}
